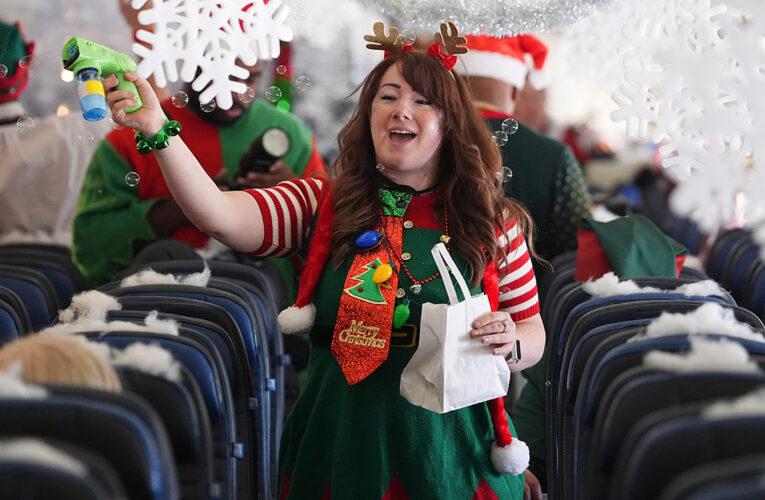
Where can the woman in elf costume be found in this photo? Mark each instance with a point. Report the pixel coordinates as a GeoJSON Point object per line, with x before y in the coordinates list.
{"type": "Point", "coordinates": [416, 166]}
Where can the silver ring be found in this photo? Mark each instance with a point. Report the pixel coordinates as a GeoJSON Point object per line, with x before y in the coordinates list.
{"type": "Point", "coordinates": [504, 325]}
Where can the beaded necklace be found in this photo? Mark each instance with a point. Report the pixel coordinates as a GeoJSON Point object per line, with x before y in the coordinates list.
{"type": "Point", "coordinates": [416, 288]}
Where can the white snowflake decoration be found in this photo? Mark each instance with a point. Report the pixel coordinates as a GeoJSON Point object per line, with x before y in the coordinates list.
{"type": "Point", "coordinates": [209, 36]}
{"type": "Point", "coordinates": [694, 77]}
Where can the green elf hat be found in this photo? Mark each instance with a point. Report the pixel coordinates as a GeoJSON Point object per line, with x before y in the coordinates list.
{"type": "Point", "coordinates": [13, 48]}
{"type": "Point", "coordinates": [630, 246]}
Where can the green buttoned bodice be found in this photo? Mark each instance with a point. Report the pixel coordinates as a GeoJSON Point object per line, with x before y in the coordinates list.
{"type": "Point", "coordinates": [358, 437]}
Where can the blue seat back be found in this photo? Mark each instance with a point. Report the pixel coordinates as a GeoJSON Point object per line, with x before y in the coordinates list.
{"type": "Point", "coordinates": [120, 428]}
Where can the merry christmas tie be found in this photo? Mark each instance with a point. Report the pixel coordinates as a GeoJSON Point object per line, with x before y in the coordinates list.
{"type": "Point", "coordinates": [361, 339]}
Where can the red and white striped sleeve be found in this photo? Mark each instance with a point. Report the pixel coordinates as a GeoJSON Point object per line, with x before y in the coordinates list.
{"type": "Point", "coordinates": [517, 284]}
{"type": "Point", "coordinates": [287, 210]}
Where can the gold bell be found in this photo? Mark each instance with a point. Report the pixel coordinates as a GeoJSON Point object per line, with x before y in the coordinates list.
{"type": "Point", "coordinates": [445, 238]}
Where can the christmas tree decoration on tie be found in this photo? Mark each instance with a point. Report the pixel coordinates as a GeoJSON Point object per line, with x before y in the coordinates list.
{"type": "Point", "coordinates": [368, 288]}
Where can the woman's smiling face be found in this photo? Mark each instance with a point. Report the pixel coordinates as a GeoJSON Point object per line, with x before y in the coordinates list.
{"type": "Point", "coordinates": [406, 132]}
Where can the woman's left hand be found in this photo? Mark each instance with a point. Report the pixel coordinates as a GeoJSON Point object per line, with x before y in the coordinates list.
{"type": "Point", "coordinates": [496, 329]}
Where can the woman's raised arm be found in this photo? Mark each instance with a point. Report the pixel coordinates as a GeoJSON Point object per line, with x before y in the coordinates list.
{"type": "Point", "coordinates": [232, 217]}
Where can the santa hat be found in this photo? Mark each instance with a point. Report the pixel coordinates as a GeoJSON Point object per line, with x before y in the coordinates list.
{"type": "Point", "coordinates": [505, 59]}
{"type": "Point", "coordinates": [508, 454]}
{"type": "Point", "coordinates": [13, 49]}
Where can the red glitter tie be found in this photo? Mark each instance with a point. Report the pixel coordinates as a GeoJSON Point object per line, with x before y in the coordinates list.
{"type": "Point", "coordinates": [361, 340]}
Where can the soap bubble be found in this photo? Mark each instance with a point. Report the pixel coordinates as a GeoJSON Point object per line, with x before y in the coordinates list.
{"type": "Point", "coordinates": [25, 124]}
{"type": "Point", "coordinates": [507, 174]}
{"type": "Point", "coordinates": [86, 138]}
{"type": "Point", "coordinates": [281, 69]}
{"type": "Point", "coordinates": [500, 138]}
{"type": "Point", "coordinates": [180, 99]}
{"type": "Point", "coordinates": [303, 83]}
{"type": "Point", "coordinates": [247, 96]}
{"type": "Point", "coordinates": [25, 62]}
{"type": "Point", "coordinates": [208, 107]}
{"type": "Point", "coordinates": [3, 70]}
{"type": "Point", "coordinates": [407, 37]}
{"type": "Point", "coordinates": [510, 126]}
{"type": "Point", "coordinates": [132, 179]}
{"type": "Point", "coordinates": [273, 93]}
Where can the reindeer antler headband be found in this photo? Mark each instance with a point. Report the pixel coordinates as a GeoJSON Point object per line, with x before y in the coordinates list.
{"type": "Point", "coordinates": [448, 43]}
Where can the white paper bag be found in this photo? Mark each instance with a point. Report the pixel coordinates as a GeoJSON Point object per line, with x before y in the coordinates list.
{"type": "Point", "coordinates": [450, 369]}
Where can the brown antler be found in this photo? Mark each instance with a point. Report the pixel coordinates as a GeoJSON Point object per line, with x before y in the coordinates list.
{"type": "Point", "coordinates": [382, 42]}
{"type": "Point", "coordinates": [451, 43]}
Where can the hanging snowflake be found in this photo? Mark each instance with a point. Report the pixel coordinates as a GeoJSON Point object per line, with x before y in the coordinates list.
{"type": "Point", "coordinates": [207, 38]}
{"type": "Point", "coordinates": [694, 79]}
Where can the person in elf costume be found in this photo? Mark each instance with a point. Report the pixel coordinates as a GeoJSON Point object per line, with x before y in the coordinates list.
{"type": "Point", "coordinates": [543, 174]}
{"type": "Point", "coordinates": [416, 166]}
{"type": "Point", "coordinates": [125, 203]}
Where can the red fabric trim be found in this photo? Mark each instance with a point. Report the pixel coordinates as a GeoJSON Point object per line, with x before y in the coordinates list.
{"type": "Point", "coordinates": [448, 61]}
{"type": "Point", "coordinates": [395, 490]}
{"type": "Point", "coordinates": [679, 262]}
{"type": "Point", "coordinates": [285, 487]}
{"type": "Point", "coordinates": [268, 227]}
{"type": "Point", "coordinates": [493, 113]}
{"type": "Point", "coordinates": [407, 47]}
{"type": "Point", "coordinates": [491, 285]}
{"type": "Point", "coordinates": [327, 493]}
{"type": "Point", "coordinates": [318, 251]}
{"type": "Point", "coordinates": [502, 435]}
{"type": "Point", "coordinates": [591, 260]}
{"type": "Point", "coordinates": [315, 165]}
{"type": "Point", "coordinates": [421, 213]}
{"type": "Point", "coordinates": [484, 491]}
{"type": "Point", "coordinates": [526, 313]}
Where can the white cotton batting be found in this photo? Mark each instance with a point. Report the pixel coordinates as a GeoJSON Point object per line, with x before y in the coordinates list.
{"type": "Point", "coordinates": [34, 451]}
{"type": "Point", "coordinates": [151, 324]}
{"type": "Point", "coordinates": [751, 404]}
{"type": "Point", "coordinates": [709, 318]}
{"type": "Point", "coordinates": [166, 326]}
{"type": "Point", "coordinates": [149, 358]}
{"type": "Point", "coordinates": [92, 304]}
{"type": "Point", "coordinates": [60, 238]}
{"type": "Point", "coordinates": [705, 355]}
{"type": "Point", "coordinates": [609, 285]}
{"type": "Point", "coordinates": [11, 385]}
{"type": "Point", "coordinates": [212, 249]}
{"type": "Point", "coordinates": [151, 277]}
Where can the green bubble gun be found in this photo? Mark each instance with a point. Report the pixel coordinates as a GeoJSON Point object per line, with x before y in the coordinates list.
{"type": "Point", "coordinates": [90, 62]}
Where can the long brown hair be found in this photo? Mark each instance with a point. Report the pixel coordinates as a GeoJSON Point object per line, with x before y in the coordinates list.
{"type": "Point", "coordinates": [467, 172]}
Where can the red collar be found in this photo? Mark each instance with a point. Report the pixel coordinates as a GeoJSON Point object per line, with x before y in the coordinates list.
{"type": "Point", "coordinates": [492, 113]}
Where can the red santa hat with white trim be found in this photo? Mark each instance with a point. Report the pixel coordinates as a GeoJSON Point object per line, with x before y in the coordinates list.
{"type": "Point", "coordinates": [505, 59]}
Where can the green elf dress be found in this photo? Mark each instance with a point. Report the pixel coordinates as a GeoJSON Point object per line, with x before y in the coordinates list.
{"type": "Point", "coordinates": [363, 440]}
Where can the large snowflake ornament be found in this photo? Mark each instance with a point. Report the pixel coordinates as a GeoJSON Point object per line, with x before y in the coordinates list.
{"type": "Point", "coordinates": [206, 38]}
{"type": "Point", "coordinates": [694, 79]}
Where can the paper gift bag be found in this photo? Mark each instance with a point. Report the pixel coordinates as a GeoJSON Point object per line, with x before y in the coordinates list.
{"type": "Point", "coordinates": [450, 369]}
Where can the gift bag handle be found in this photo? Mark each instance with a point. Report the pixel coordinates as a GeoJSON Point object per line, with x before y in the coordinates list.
{"type": "Point", "coordinates": [443, 259]}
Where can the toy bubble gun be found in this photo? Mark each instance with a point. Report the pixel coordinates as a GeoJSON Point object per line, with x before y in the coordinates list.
{"type": "Point", "coordinates": [90, 62]}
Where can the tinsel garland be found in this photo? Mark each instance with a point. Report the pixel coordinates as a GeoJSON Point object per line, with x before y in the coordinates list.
{"type": "Point", "coordinates": [491, 17]}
